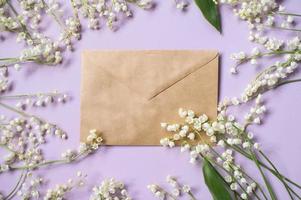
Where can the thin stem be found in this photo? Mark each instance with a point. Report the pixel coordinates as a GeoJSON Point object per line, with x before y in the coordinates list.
{"type": "Point", "coordinates": [19, 96]}
{"type": "Point", "coordinates": [11, 61]}
{"type": "Point", "coordinates": [7, 148]}
{"type": "Point", "coordinates": [258, 185]}
{"type": "Point", "coordinates": [20, 181]}
{"type": "Point", "coordinates": [24, 114]}
{"type": "Point", "coordinates": [15, 110]}
{"type": "Point", "coordinates": [244, 135]}
{"type": "Point", "coordinates": [271, 53]}
{"type": "Point", "coordinates": [21, 24]}
{"type": "Point", "coordinates": [269, 187]}
{"type": "Point", "coordinates": [274, 167]}
{"type": "Point", "coordinates": [283, 28]}
{"type": "Point", "coordinates": [287, 82]}
{"type": "Point", "coordinates": [8, 62]}
{"type": "Point", "coordinates": [55, 17]}
{"type": "Point", "coordinates": [5, 59]}
{"type": "Point", "coordinates": [74, 9]}
{"type": "Point", "coordinates": [61, 161]}
{"type": "Point", "coordinates": [288, 14]}
{"type": "Point", "coordinates": [278, 175]}
{"type": "Point", "coordinates": [253, 155]}
{"type": "Point", "coordinates": [191, 195]}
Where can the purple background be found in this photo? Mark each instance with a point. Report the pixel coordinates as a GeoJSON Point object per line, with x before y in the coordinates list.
{"type": "Point", "coordinates": [163, 28]}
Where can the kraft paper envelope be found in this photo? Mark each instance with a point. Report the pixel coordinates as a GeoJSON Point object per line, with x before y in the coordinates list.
{"type": "Point", "coordinates": [126, 94]}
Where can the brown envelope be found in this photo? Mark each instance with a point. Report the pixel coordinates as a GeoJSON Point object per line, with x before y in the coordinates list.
{"type": "Point", "coordinates": [126, 94]}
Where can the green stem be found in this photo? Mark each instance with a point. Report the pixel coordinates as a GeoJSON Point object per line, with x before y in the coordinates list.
{"type": "Point", "coordinates": [15, 110]}
{"type": "Point", "coordinates": [7, 148]}
{"type": "Point", "coordinates": [192, 197]}
{"type": "Point", "coordinates": [24, 114]}
{"type": "Point", "coordinates": [19, 96]}
{"type": "Point", "coordinates": [287, 82]}
{"type": "Point", "coordinates": [286, 29]}
{"type": "Point", "coordinates": [244, 135]}
{"type": "Point", "coordinates": [38, 165]}
{"type": "Point", "coordinates": [288, 14]}
{"type": "Point", "coordinates": [288, 189]}
{"type": "Point", "coordinates": [278, 175]}
{"type": "Point", "coordinates": [269, 187]}
{"type": "Point", "coordinates": [20, 181]}
{"type": "Point", "coordinates": [7, 59]}
{"type": "Point", "coordinates": [61, 161]}
{"type": "Point", "coordinates": [21, 24]}
{"type": "Point", "coordinates": [74, 9]}
{"type": "Point", "coordinates": [55, 17]}
{"type": "Point", "coordinates": [11, 61]}
{"type": "Point", "coordinates": [271, 53]}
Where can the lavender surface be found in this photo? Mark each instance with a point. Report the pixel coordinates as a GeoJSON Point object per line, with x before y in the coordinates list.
{"type": "Point", "coordinates": [163, 28]}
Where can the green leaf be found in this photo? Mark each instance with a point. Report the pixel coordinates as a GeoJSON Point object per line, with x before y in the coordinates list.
{"type": "Point", "coordinates": [215, 182]}
{"type": "Point", "coordinates": [211, 12]}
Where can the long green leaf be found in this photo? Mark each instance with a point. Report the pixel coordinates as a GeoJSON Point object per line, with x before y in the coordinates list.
{"type": "Point", "coordinates": [211, 12]}
{"type": "Point", "coordinates": [215, 183]}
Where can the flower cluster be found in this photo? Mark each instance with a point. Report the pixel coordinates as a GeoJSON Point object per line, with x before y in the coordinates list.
{"type": "Point", "coordinates": [23, 139]}
{"type": "Point", "coordinates": [25, 19]}
{"type": "Point", "coordinates": [274, 75]}
{"type": "Point", "coordinates": [30, 186]}
{"type": "Point", "coordinates": [176, 192]}
{"type": "Point", "coordinates": [26, 101]}
{"type": "Point", "coordinates": [60, 190]}
{"type": "Point", "coordinates": [252, 11]}
{"type": "Point", "coordinates": [110, 189]}
{"type": "Point", "coordinates": [217, 141]}
{"type": "Point", "coordinates": [261, 15]}
{"type": "Point", "coordinates": [110, 11]}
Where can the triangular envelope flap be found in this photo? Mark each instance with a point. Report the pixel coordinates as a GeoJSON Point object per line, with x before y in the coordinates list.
{"type": "Point", "coordinates": [148, 73]}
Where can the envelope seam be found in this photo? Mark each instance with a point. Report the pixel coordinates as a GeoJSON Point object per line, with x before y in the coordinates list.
{"type": "Point", "coordinates": [180, 79]}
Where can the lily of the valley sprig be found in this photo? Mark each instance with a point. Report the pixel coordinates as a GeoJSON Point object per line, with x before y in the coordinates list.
{"type": "Point", "coordinates": [23, 138]}
{"type": "Point", "coordinates": [26, 101]}
{"type": "Point", "coordinates": [24, 19]}
{"type": "Point", "coordinates": [227, 136]}
{"type": "Point", "coordinates": [176, 192]}
{"type": "Point", "coordinates": [110, 189]}
{"type": "Point", "coordinates": [31, 188]}
{"type": "Point", "coordinates": [262, 18]}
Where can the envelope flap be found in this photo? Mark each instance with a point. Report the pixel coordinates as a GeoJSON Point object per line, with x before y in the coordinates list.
{"type": "Point", "coordinates": [149, 73]}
